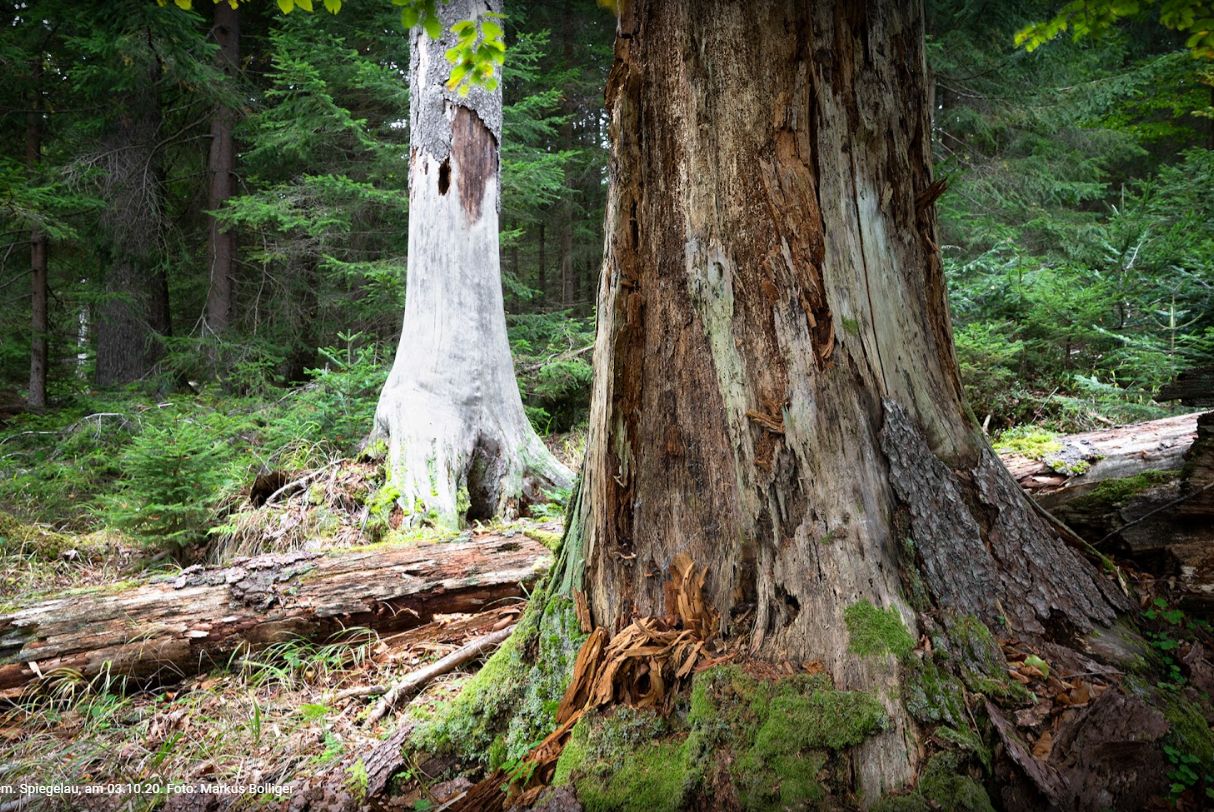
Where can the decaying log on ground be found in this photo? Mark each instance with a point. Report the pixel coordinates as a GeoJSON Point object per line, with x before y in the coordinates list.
{"type": "Point", "coordinates": [1092, 457]}
{"type": "Point", "coordinates": [181, 625]}
{"type": "Point", "coordinates": [1148, 495]}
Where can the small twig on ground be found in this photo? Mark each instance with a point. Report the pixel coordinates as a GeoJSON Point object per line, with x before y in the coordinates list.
{"type": "Point", "coordinates": [421, 677]}
{"type": "Point", "coordinates": [298, 483]}
{"type": "Point", "coordinates": [565, 356]}
{"type": "Point", "coordinates": [97, 416]}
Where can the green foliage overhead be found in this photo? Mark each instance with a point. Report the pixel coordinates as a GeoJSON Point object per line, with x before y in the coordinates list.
{"type": "Point", "coordinates": [478, 53]}
{"type": "Point", "coordinates": [1193, 18]}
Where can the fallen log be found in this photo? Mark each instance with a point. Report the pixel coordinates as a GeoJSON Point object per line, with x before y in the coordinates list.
{"type": "Point", "coordinates": [1193, 387]}
{"type": "Point", "coordinates": [1085, 460]}
{"type": "Point", "coordinates": [1143, 492]}
{"type": "Point", "coordinates": [175, 626]}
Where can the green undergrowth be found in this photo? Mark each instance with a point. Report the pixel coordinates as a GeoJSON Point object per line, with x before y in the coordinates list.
{"type": "Point", "coordinates": [1188, 745]}
{"type": "Point", "coordinates": [510, 704]}
{"type": "Point", "coordinates": [40, 543]}
{"type": "Point", "coordinates": [768, 744]}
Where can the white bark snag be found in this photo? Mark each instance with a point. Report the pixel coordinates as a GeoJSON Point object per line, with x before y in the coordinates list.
{"type": "Point", "coordinates": [460, 446]}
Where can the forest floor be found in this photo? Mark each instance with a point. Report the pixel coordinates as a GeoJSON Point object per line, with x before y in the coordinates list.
{"type": "Point", "coordinates": [294, 711]}
{"type": "Point", "coordinates": [278, 716]}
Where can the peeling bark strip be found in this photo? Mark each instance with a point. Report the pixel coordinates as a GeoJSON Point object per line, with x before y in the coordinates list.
{"type": "Point", "coordinates": [174, 627]}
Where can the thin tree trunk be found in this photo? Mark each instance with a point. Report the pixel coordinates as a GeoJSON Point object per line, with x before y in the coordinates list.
{"type": "Point", "coordinates": [302, 356]}
{"type": "Point", "coordinates": [565, 248]}
{"type": "Point", "coordinates": [775, 391]}
{"type": "Point", "coordinates": [39, 250]}
{"type": "Point", "coordinates": [221, 171]}
{"type": "Point", "coordinates": [134, 313]}
{"type": "Point", "coordinates": [542, 270]}
{"type": "Point", "coordinates": [460, 445]}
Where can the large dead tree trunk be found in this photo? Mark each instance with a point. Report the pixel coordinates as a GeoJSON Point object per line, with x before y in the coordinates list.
{"type": "Point", "coordinates": [181, 625]}
{"type": "Point", "coordinates": [460, 445]}
{"type": "Point", "coordinates": [776, 395]}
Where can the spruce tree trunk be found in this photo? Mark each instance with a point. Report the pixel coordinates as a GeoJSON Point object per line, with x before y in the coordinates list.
{"type": "Point", "coordinates": [460, 446]}
{"type": "Point", "coordinates": [134, 313]}
{"type": "Point", "coordinates": [39, 250]}
{"type": "Point", "coordinates": [775, 390]}
{"type": "Point", "coordinates": [221, 171]}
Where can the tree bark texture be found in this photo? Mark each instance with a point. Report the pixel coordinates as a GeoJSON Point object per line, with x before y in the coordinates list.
{"type": "Point", "coordinates": [775, 389]}
{"type": "Point", "coordinates": [221, 176]}
{"type": "Point", "coordinates": [181, 625]}
{"type": "Point", "coordinates": [134, 312]}
{"type": "Point", "coordinates": [39, 255]}
{"type": "Point", "coordinates": [460, 445]}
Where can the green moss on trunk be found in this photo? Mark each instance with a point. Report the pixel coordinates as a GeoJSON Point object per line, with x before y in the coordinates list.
{"type": "Point", "coordinates": [510, 704]}
{"type": "Point", "coordinates": [943, 787]}
{"type": "Point", "coordinates": [978, 659]}
{"type": "Point", "coordinates": [741, 741]}
{"type": "Point", "coordinates": [875, 631]}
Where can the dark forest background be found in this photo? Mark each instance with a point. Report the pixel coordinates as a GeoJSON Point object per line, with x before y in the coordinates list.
{"type": "Point", "coordinates": [1077, 231]}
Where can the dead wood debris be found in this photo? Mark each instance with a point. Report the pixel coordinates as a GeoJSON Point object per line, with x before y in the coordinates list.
{"type": "Point", "coordinates": [417, 680]}
{"type": "Point", "coordinates": [643, 665]}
